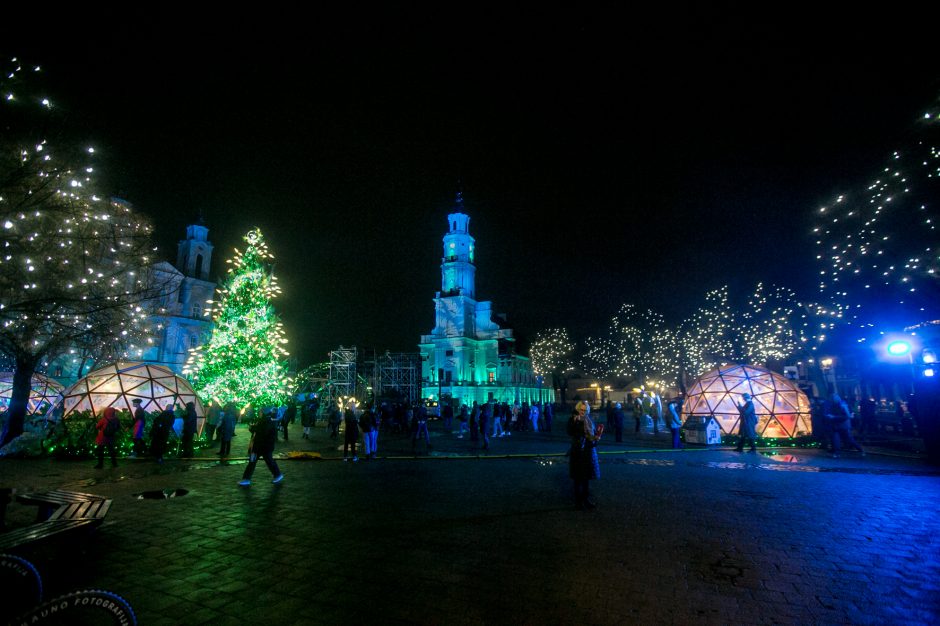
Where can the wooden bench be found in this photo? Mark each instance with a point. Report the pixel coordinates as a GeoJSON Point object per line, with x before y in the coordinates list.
{"type": "Point", "coordinates": [50, 502]}
{"type": "Point", "coordinates": [42, 531]}
{"type": "Point", "coordinates": [60, 512]}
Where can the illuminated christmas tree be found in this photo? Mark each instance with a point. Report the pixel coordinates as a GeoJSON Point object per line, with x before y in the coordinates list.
{"type": "Point", "coordinates": [244, 361]}
{"type": "Point", "coordinates": [74, 267]}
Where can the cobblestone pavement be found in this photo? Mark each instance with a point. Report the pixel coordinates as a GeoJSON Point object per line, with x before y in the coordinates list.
{"type": "Point", "coordinates": [692, 536]}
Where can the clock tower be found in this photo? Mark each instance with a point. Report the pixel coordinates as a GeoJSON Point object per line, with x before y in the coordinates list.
{"type": "Point", "coordinates": [468, 356]}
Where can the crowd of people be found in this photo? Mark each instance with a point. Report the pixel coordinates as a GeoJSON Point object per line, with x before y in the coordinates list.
{"type": "Point", "coordinates": [479, 422]}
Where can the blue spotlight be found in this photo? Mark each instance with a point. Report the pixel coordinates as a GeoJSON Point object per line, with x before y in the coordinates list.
{"type": "Point", "coordinates": [899, 348]}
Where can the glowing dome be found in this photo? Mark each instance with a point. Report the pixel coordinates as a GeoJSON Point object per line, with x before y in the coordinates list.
{"type": "Point", "coordinates": [119, 384]}
{"type": "Point", "coordinates": [782, 408]}
{"type": "Point", "coordinates": [44, 392]}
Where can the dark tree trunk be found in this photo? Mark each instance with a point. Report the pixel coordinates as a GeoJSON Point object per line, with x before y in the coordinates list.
{"type": "Point", "coordinates": [22, 385]}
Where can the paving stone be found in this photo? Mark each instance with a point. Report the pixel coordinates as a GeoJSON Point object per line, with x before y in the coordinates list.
{"type": "Point", "coordinates": [496, 540]}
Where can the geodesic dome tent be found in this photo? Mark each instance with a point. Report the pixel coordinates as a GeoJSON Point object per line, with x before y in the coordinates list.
{"type": "Point", "coordinates": [118, 385]}
{"type": "Point", "coordinates": [782, 408]}
{"type": "Point", "coordinates": [44, 392]}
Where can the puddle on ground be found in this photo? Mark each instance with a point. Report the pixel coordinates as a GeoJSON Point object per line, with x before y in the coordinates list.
{"type": "Point", "coordinates": [161, 494]}
{"type": "Point", "coordinates": [782, 458]}
{"type": "Point", "coordinates": [789, 467]}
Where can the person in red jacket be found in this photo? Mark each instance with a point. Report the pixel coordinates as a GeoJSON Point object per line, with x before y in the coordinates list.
{"type": "Point", "coordinates": [108, 427]}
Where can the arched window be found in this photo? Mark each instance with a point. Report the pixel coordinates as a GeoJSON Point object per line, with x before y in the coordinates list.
{"type": "Point", "coordinates": [193, 341]}
{"type": "Point", "coordinates": [198, 269]}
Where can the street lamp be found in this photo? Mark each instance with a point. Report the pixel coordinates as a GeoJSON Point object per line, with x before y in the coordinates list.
{"type": "Point", "coordinates": [828, 374]}
{"type": "Point", "coordinates": [899, 348]}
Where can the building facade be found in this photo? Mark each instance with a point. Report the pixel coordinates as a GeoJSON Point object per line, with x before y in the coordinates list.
{"type": "Point", "coordinates": [179, 320]}
{"type": "Point", "coordinates": [468, 356]}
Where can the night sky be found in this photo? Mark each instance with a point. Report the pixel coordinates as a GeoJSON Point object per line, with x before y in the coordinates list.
{"type": "Point", "coordinates": [604, 157]}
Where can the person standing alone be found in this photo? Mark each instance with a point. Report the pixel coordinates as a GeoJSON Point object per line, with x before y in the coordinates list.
{"type": "Point", "coordinates": [583, 464]}
{"type": "Point", "coordinates": [747, 428]}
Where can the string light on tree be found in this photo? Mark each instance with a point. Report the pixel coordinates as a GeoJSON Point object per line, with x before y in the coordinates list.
{"type": "Point", "coordinates": [551, 351]}
{"type": "Point", "coordinates": [878, 247]}
{"type": "Point", "coordinates": [73, 265]}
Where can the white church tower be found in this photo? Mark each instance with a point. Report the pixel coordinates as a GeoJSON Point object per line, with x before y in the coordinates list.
{"type": "Point", "coordinates": [468, 356]}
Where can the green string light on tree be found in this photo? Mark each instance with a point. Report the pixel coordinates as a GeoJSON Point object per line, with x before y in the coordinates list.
{"type": "Point", "coordinates": [244, 361]}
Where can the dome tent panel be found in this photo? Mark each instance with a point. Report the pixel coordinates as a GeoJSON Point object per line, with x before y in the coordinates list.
{"type": "Point", "coordinates": [782, 408]}
{"type": "Point", "coordinates": [787, 422]}
{"type": "Point", "coordinates": [119, 384]}
{"type": "Point", "coordinates": [43, 392]}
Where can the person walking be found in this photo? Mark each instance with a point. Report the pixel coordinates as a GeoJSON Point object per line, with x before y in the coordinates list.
{"type": "Point", "coordinates": [675, 421]}
{"type": "Point", "coordinates": [747, 428]}
{"type": "Point", "coordinates": [137, 431]}
{"type": "Point", "coordinates": [160, 432]}
{"type": "Point", "coordinates": [108, 428]}
{"type": "Point", "coordinates": [583, 464]}
{"type": "Point", "coordinates": [226, 432]}
{"type": "Point", "coordinates": [840, 422]}
{"type": "Point", "coordinates": [263, 438]}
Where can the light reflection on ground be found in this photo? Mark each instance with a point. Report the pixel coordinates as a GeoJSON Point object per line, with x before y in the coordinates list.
{"type": "Point", "coordinates": [789, 467]}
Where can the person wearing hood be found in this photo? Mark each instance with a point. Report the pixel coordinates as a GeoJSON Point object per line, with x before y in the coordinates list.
{"type": "Point", "coordinates": [108, 427]}
{"type": "Point", "coordinates": [263, 438]}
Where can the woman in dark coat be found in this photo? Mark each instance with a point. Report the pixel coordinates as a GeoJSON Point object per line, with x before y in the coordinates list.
{"type": "Point", "coordinates": [748, 427]}
{"type": "Point", "coordinates": [583, 465]}
{"type": "Point", "coordinates": [160, 433]}
{"type": "Point", "coordinates": [190, 421]}
{"type": "Point", "coordinates": [227, 431]}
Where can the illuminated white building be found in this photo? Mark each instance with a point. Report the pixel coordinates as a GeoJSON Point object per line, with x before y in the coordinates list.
{"type": "Point", "coordinates": [179, 320]}
{"type": "Point", "coordinates": [468, 356]}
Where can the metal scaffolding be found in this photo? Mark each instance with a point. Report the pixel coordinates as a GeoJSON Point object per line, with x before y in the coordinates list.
{"type": "Point", "coordinates": [343, 371]}
{"type": "Point", "coordinates": [367, 377]}
{"type": "Point", "coordinates": [397, 374]}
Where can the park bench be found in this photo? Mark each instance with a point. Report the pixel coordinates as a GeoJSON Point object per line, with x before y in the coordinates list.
{"type": "Point", "coordinates": [51, 502]}
{"type": "Point", "coordinates": [60, 513]}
